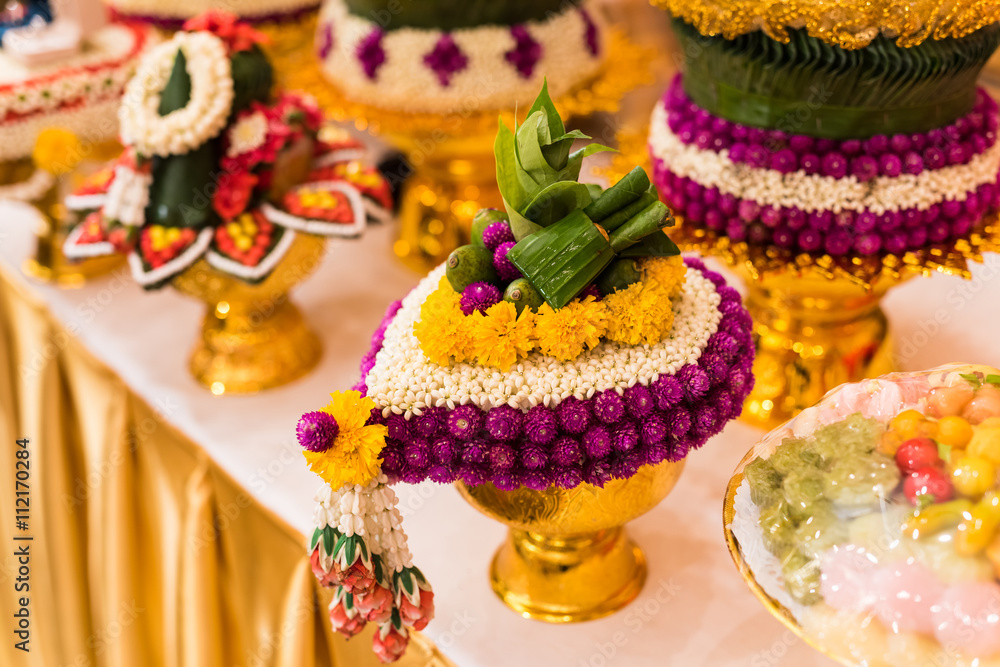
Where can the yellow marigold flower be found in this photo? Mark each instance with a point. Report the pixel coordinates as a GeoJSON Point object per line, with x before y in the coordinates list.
{"type": "Point", "coordinates": [57, 151]}
{"type": "Point", "coordinates": [624, 318]}
{"type": "Point", "coordinates": [442, 329]}
{"type": "Point", "coordinates": [668, 273]}
{"type": "Point", "coordinates": [564, 333]}
{"type": "Point", "coordinates": [499, 337]}
{"type": "Point", "coordinates": [353, 458]}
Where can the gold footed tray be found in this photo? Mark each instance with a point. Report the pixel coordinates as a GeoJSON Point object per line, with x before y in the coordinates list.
{"type": "Point", "coordinates": [253, 337]}
{"type": "Point", "coordinates": [451, 154]}
{"type": "Point", "coordinates": [567, 557]}
{"type": "Point", "coordinates": [817, 319]}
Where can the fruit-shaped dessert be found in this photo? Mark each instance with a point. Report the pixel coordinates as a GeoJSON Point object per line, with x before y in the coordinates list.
{"type": "Point", "coordinates": [223, 179]}
{"type": "Point", "coordinates": [880, 509]}
{"type": "Point", "coordinates": [559, 370]}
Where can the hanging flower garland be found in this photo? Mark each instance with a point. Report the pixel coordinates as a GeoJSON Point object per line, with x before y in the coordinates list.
{"type": "Point", "coordinates": [205, 114]}
{"type": "Point", "coordinates": [358, 546]}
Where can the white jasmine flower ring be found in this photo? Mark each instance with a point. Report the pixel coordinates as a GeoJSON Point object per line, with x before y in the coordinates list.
{"type": "Point", "coordinates": [204, 116]}
{"type": "Point", "coordinates": [247, 134]}
{"type": "Point", "coordinates": [403, 381]}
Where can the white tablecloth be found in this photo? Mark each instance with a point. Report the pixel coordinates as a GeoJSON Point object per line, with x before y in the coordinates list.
{"type": "Point", "coordinates": [695, 609]}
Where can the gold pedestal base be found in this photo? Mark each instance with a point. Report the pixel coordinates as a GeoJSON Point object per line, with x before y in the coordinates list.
{"type": "Point", "coordinates": [49, 264]}
{"type": "Point", "coordinates": [437, 205]}
{"type": "Point", "coordinates": [253, 338]}
{"type": "Point", "coordinates": [570, 579]}
{"type": "Point", "coordinates": [812, 334]}
{"type": "Point", "coordinates": [567, 557]}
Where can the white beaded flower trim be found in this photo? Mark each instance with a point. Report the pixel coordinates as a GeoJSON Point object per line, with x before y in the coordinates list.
{"type": "Point", "coordinates": [818, 193]}
{"type": "Point", "coordinates": [403, 381]}
{"type": "Point", "coordinates": [91, 122]}
{"type": "Point", "coordinates": [179, 10]}
{"type": "Point", "coordinates": [369, 511]}
{"type": "Point", "coordinates": [128, 196]}
{"type": "Point", "coordinates": [204, 116]}
{"type": "Point", "coordinates": [488, 81]}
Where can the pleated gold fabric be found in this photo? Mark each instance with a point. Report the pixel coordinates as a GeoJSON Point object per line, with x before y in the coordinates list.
{"type": "Point", "coordinates": [145, 553]}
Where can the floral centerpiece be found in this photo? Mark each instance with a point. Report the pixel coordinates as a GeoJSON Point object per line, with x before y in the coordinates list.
{"type": "Point", "coordinates": [869, 523]}
{"type": "Point", "coordinates": [569, 347]}
{"type": "Point", "coordinates": [215, 167]}
{"type": "Point", "coordinates": [226, 191]}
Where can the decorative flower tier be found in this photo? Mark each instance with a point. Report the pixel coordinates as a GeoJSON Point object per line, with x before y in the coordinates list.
{"type": "Point", "coordinates": [869, 523]}
{"type": "Point", "coordinates": [440, 59]}
{"type": "Point", "coordinates": [223, 191]}
{"type": "Point", "coordinates": [73, 80]}
{"type": "Point", "coordinates": [171, 14]}
{"type": "Point", "coordinates": [813, 143]}
{"type": "Point", "coordinates": [566, 359]}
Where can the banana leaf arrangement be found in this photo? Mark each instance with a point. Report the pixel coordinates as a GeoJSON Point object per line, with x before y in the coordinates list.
{"type": "Point", "coordinates": [564, 235]}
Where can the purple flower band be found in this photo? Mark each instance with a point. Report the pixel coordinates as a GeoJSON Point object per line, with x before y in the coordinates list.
{"type": "Point", "coordinates": [609, 436]}
{"type": "Point", "coordinates": [846, 232]}
{"type": "Point", "coordinates": [881, 155]}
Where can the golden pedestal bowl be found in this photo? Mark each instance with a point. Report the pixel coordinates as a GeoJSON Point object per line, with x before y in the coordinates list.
{"type": "Point", "coordinates": [253, 337]}
{"type": "Point", "coordinates": [49, 264]}
{"type": "Point", "coordinates": [567, 557]}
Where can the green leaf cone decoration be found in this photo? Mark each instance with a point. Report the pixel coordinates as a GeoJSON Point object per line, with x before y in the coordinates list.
{"type": "Point", "coordinates": [810, 87]}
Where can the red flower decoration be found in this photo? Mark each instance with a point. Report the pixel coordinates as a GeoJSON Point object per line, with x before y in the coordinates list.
{"type": "Point", "coordinates": [356, 579]}
{"type": "Point", "coordinates": [390, 647]}
{"type": "Point", "coordinates": [345, 622]}
{"type": "Point", "coordinates": [376, 605]}
{"type": "Point", "coordinates": [417, 616]}
{"type": "Point", "coordinates": [326, 579]}
{"type": "Point", "coordinates": [227, 27]}
{"type": "Point", "coordinates": [233, 194]}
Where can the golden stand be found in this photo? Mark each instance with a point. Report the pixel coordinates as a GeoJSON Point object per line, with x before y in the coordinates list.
{"type": "Point", "coordinates": [451, 155]}
{"type": "Point", "coordinates": [817, 320]}
{"type": "Point", "coordinates": [253, 338]}
{"type": "Point", "coordinates": [567, 557]}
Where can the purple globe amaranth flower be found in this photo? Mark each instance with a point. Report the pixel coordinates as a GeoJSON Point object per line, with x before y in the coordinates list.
{"type": "Point", "coordinates": [639, 400]}
{"type": "Point", "coordinates": [678, 422]}
{"type": "Point", "coordinates": [317, 431]}
{"type": "Point", "coordinates": [398, 428]}
{"type": "Point", "coordinates": [597, 473]}
{"type": "Point", "coordinates": [505, 268]}
{"type": "Point", "coordinates": [429, 424]}
{"type": "Point", "coordinates": [496, 233]}
{"type": "Point", "coordinates": [417, 454]}
{"type": "Point", "coordinates": [785, 161]}
{"type": "Point", "coordinates": [838, 242]}
{"type": "Point", "coordinates": [446, 59]}
{"type": "Point", "coordinates": [810, 240]}
{"type": "Point", "coordinates": [890, 165]}
{"type": "Point", "coordinates": [324, 44]}
{"type": "Point", "coordinates": [441, 473]}
{"type": "Point", "coordinates": [596, 442]}
{"type": "Point", "coordinates": [679, 450]}
{"type": "Point", "coordinates": [654, 454]}
{"type": "Point", "coordinates": [934, 157]}
{"type": "Point", "coordinates": [567, 478]}
{"type": "Point", "coordinates": [695, 382]}
{"type": "Point", "coordinates": [868, 244]}
{"type": "Point", "coordinates": [504, 422]}
{"type": "Point", "coordinates": [506, 480]}
{"type": "Point", "coordinates": [668, 391]}
{"type": "Point", "coordinates": [566, 452]}
{"type": "Point", "coordinates": [834, 165]}
{"type": "Point", "coordinates": [624, 466]}
{"type": "Point", "coordinates": [502, 456]}
{"type": "Point", "coordinates": [722, 401]}
{"type": "Point", "coordinates": [574, 415]}
{"type": "Point", "coordinates": [536, 480]}
{"type": "Point", "coordinates": [715, 367]}
{"type": "Point", "coordinates": [479, 297]}
{"type": "Point", "coordinates": [654, 430]}
{"type": "Point", "coordinates": [475, 452]}
{"type": "Point", "coordinates": [526, 52]}
{"type": "Point", "coordinates": [705, 423]}
{"type": "Point", "coordinates": [540, 426]}
{"type": "Point", "coordinates": [533, 457]}
{"type": "Point", "coordinates": [445, 450]}
{"type": "Point", "coordinates": [608, 406]}
{"type": "Point", "coordinates": [392, 462]}
{"type": "Point", "coordinates": [864, 168]}
{"type": "Point", "coordinates": [472, 474]}
{"type": "Point", "coordinates": [811, 163]}
{"type": "Point", "coordinates": [624, 437]}
{"type": "Point", "coordinates": [370, 52]}
{"type": "Point", "coordinates": [413, 475]}
{"type": "Point", "coordinates": [465, 421]}
{"type": "Point", "coordinates": [589, 32]}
